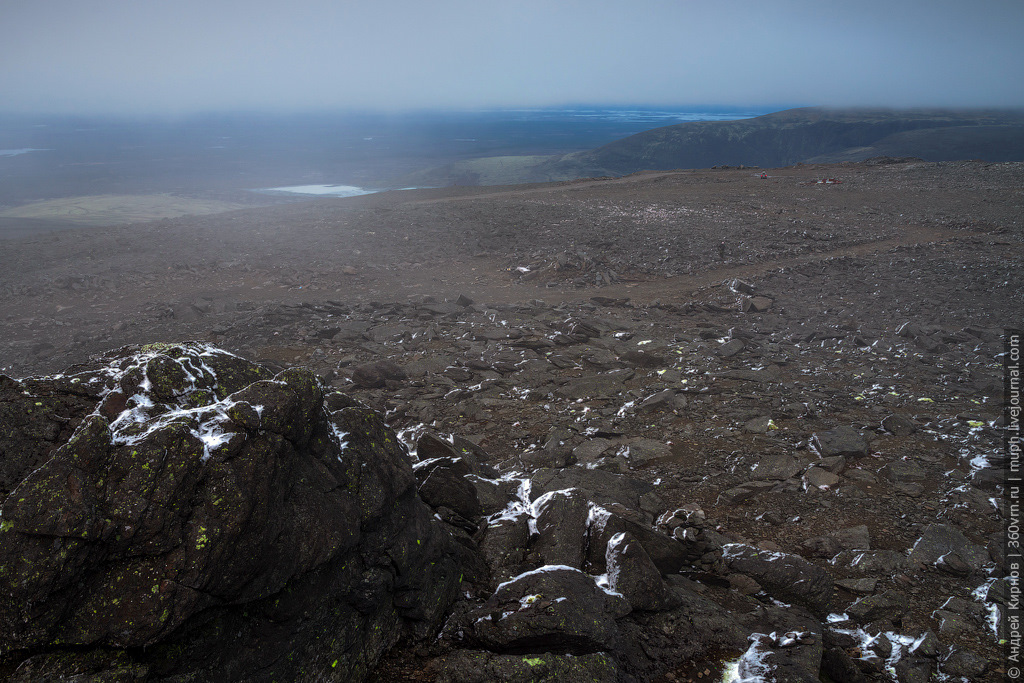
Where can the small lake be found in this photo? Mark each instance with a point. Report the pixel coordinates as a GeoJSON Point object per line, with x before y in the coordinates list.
{"type": "Point", "coordinates": [319, 190]}
{"type": "Point", "coordinates": [17, 152]}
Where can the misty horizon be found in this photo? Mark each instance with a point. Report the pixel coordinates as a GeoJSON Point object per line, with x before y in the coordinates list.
{"type": "Point", "coordinates": [114, 57]}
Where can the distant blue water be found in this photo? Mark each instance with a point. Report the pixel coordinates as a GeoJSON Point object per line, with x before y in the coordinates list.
{"type": "Point", "coordinates": [447, 135]}
{"type": "Point", "coordinates": [19, 152]}
{"type": "Point", "coordinates": [657, 117]}
{"type": "Point", "coordinates": [304, 154]}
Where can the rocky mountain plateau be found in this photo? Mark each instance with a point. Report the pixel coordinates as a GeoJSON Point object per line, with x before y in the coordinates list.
{"type": "Point", "coordinates": [675, 426]}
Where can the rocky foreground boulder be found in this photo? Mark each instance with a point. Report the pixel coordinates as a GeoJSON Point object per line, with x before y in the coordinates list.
{"type": "Point", "coordinates": [177, 513]}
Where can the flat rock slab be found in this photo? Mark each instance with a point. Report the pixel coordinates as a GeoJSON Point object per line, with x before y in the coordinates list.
{"type": "Point", "coordinates": [641, 452]}
{"type": "Point", "coordinates": [892, 604]}
{"type": "Point", "coordinates": [820, 478]}
{"type": "Point", "coordinates": [595, 386]}
{"type": "Point", "coordinates": [789, 578]}
{"type": "Point", "coordinates": [776, 466]}
{"type": "Point", "coordinates": [840, 441]}
{"type": "Point", "coordinates": [940, 541]}
{"type": "Point", "coordinates": [854, 538]}
{"type": "Point", "coordinates": [600, 486]}
{"type": "Point", "coordinates": [898, 425]}
{"type": "Point", "coordinates": [903, 472]}
{"type": "Point", "coordinates": [553, 607]}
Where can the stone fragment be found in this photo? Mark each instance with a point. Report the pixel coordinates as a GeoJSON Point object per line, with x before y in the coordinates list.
{"type": "Point", "coordinates": [731, 348]}
{"type": "Point", "coordinates": [504, 545]}
{"type": "Point", "coordinates": [786, 645]}
{"type": "Point", "coordinates": [736, 495]}
{"type": "Point", "coordinates": [561, 522]}
{"type": "Point", "coordinates": [820, 478]}
{"type": "Point", "coordinates": [375, 375]}
{"type": "Point", "coordinates": [667, 553]}
{"type": "Point", "coordinates": [562, 608]}
{"type": "Point", "coordinates": [928, 645]}
{"type": "Point", "coordinates": [941, 540]}
{"type": "Point", "coordinates": [756, 304]}
{"type": "Point", "coordinates": [854, 538]}
{"type": "Point", "coordinates": [872, 561]}
{"type": "Point", "coordinates": [641, 452]}
{"type": "Point", "coordinates": [899, 425]}
{"type": "Point", "coordinates": [758, 425]}
{"type": "Point", "coordinates": [661, 401]}
{"type": "Point", "coordinates": [448, 487]}
{"type": "Point", "coordinates": [603, 488]}
{"type": "Point", "coordinates": [591, 450]}
{"type": "Point", "coordinates": [964, 664]}
{"type": "Point", "coordinates": [776, 466]}
{"type": "Point", "coordinates": [494, 495]}
{"type": "Point", "coordinates": [892, 604]}
{"type": "Point", "coordinates": [863, 586]}
{"type": "Point", "coordinates": [631, 572]}
{"type": "Point", "coordinates": [914, 669]}
{"type": "Point", "coordinates": [903, 472]}
{"type": "Point", "coordinates": [790, 578]}
{"type": "Point", "coordinates": [644, 359]}
{"type": "Point", "coordinates": [834, 464]}
{"type": "Point", "coordinates": [744, 584]}
{"type": "Point", "coordinates": [594, 386]}
{"type": "Point", "coordinates": [825, 547]}
{"type": "Point", "coordinates": [840, 441]}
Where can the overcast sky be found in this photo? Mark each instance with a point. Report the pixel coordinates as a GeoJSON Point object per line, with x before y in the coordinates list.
{"type": "Point", "coordinates": [181, 56]}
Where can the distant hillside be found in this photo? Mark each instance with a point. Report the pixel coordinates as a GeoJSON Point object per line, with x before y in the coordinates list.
{"type": "Point", "coordinates": [779, 139]}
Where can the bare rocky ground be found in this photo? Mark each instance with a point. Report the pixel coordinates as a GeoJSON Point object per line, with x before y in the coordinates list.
{"type": "Point", "coordinates": [813, 366]}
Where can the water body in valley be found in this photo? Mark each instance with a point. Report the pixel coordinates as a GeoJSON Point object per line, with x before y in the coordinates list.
{"type": "Point", "coordinates": [225, 157]}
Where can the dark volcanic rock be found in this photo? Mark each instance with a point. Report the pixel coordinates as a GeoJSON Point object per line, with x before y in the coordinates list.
{"type": "Point", "coordinates": [899, 425]}
{"type": "Point", "coordinates": [840, 441]}
{"type": "Point", "coordinates": [561, 521]}
{"type": "Point", "coordinates": [891, 604]}
{"type": "Point", "coordinates": [941, 543]}
{"type": "Point", "coordinates": [789, 578]}
{"type": "Point", "coordinates": [447, 486]}
{"type": "Point", "coordinates": [792, 650]}
{"type": "Point", "coordinates": [223, 526]}
{"type": "Point", "coordinates": [632, 573]}
{"type": "Point", "coordinates": [668, 554]}
{"type": "Point", "coordinates": [375, 375]}
{"type": "Point", "coordinates": [554, 607]}
{"type": "Point", "coordinates": [480, 666]}
{"type": "Point", "coordinates": [30, 428]}
{"type": "Point", "coordinates": [604, 488]}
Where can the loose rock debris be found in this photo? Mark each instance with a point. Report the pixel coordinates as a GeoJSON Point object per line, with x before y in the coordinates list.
{"type": "Point", "coordinates": [824, 405]}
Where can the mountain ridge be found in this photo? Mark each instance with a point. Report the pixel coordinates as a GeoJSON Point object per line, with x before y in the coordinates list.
{"type": "Point", "coordinates": [784, 138]}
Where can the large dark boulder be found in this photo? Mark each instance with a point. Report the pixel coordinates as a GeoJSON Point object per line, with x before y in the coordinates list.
{"type": "Point", "coordinates": [555, 608]}
{"type": "Point", "coordinates": [480, 666]}
{"type": "Point", "coordinates": [668, 554]}
{"type": "Point", "coordinates": [789, 578]}
{"type": "Point", "coordinates": [189, 515]}
{"type": "Point", "coordinates": [632, 573]}
{"type": "Point", "coordinates": [561, 523]}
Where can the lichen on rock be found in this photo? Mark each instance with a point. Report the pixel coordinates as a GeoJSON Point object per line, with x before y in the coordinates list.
{"type": "Point", "coordinates": [206, 511]}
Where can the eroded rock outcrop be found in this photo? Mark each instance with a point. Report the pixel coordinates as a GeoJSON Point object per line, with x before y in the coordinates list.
{"type": "Point", "coordinates": [177, 513]}
{"type": "Point", "coordinates": [208, 519]}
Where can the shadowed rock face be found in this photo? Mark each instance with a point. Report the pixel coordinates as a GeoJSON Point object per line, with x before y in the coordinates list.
{"type": "Point", "coordinates": [183, 500]}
